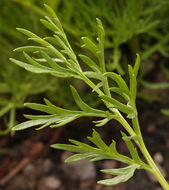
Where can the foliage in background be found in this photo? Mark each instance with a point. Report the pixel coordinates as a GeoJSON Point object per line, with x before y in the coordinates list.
{"type": "Point", "coordinates": [16, 85]}
{"type": "Point", "coordinates": [61, 61]}
{"type": "Point", "coordinates": [133, 23]}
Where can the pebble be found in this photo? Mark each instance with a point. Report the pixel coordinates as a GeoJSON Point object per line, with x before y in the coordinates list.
{"type": "Point", "coordinates": [158, 157]}
{"type": "Point", "coordinates": [49, 183]}
{"type": "Point", "coordinates": [81, 170]}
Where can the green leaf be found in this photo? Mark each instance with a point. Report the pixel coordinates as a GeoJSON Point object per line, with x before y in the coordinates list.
{"type": "Point", "coordinates": [133, 83]}
{"type": "Point", "coordinates": [132, 149]}
{"type": "Point", "coordinates": [165, 111]}
{"type": "Point", "coordinates": [33, 62]}
{"type": "Point", "coordinates": [91, 74]}
{"type": "Point", "coordinates": [30, 49]}
{"type": "Point", "coordinates": [32, 68]}
{"type": "Point", "coordinates": [96, 139]}
{"type": "Point", "coordinates": [118, 105]}
{"type": "Point", "coordinates": [42, 108]}
{"type": "Point", "coordinates": [67, 147]}
{"type": "Point", "coordinates": [100, 30]}
{"type": "Point", "coordinates": [137, 65]}
{"type": "Point", "coordinates": [55, 18]}
{"type": "Point", "coordinates": [90, 45]}
{"type": "Point", "coordinates": [85, 147]}
{"type": "Point", "coordinates": [49, 25]}
{"type": "Point", "coordinates": [27, 33]}
{"type": "Point", "coordinates": [78, 157]}
{"type": "Point", "coordinates": [119, 80]}
{"type": "Point", "coordinates": [29, 124]}
{"type": "Point", "coordinates": [40, 41]}
{"type": "Point", "coordinates": [123, 175]}
{"type": "Point", "coordinates": [120, 92]}
{"type": "Point", "coordinates": [101, 122]}
{"type": "Point", "coordinates": [89, 62]}
{"type": "Point", "coordinates": [155, 86]}
{"type": "Point", "coordinates": [83, 106]}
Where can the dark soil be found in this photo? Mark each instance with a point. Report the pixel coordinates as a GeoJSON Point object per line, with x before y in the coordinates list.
{"type": "Point", "coordinates": [28, 163]}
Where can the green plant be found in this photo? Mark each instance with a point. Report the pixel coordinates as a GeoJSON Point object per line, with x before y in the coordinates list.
{"type": "Point", "coordinates": [50, 49]}
{"type": "Point", "coordinates": [131, 23]}
{"type": "Point", "coordinates": [17, 85]}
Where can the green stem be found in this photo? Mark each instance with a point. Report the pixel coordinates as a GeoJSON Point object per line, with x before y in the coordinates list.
{"type": "Point", "coordinates": [148, 157]}
{"type": "Point", "coordinates": [155, 169]}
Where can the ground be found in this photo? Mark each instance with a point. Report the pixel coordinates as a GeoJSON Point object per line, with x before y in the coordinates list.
{"type": "Point", "coordinates": [28, 163]}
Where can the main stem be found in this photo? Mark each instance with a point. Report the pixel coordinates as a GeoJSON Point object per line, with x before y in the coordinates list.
{"type": "Point", "coordinates": [150, 161]}
{"type": "Point", "coordinates": [155, 169]}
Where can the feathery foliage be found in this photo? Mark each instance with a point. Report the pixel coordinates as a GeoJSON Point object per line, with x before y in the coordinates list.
{"type": "Point", "coordinates": [59, 60]}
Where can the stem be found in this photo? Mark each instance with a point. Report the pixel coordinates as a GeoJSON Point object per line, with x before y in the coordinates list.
{"type": "Point", "coordinates": [155, 169]}
{"type": "Point", "coordinates": [148, 157]}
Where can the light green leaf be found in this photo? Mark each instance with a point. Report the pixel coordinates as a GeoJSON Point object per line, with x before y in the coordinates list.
{"type": "Point", "coordinates": [30, 49]}
{"type": "Point", "coordinates": [83, 106]}
{"type": "Point", "coordinates": [27, 33]}
{"type": "Point", "coordinates": [90, 45]}
{"type": "Point", "coordinates": [119, 80]}
{"type": "Point", "coordinates": [137, 65]}
{"type": "Point", "coordinates": [123, 175]}
{"type": "Point", "coordinates": [100, 30]}
{"type": "Point", "coordinates": [155, 86]}
{"type": "Point", "coordinates": [67, 147]}
{"type": "Point", "coordinates": [165, 111]}
{"type": "Point", "coordinates": [132, 149]}
{"type": "Point", "coordinates": [89, 62]}
{"type": "Point", "coordinates": [118, 105]}
{"type": "Point", "coordinates": [96, 139]}
{"type": "Point", "coordinates": [78, 157]}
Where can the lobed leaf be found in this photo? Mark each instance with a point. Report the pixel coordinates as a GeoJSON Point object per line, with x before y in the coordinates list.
{"type": "Point", "coordinates": [91, 46]}
{"type": "Point", "coordinates": [83, 106]}
{"type": "Point", "coordinates": [123, 175]}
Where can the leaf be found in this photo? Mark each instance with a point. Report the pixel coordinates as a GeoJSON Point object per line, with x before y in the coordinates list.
{"type": "Point", "coordinates": [49, 25]}
{"type": "Point", "coordinates": [78, 157]}
{"type": "Point", "coordinates": [91, 74]}
{"type": "Point", "coordinates": [89, 62]}
{"type": "Point", "coordinates": [155, 86]}
{"type": "Point", "coordinates": [132, 149]}
{"type": "Point", "coordinates": [90, 45]}
{"type": "Point", "coordinates": [29, 49]}
{"type": "Point", "coordinates": [123, 175]}
{"type": "Point", "coordinates": [101, 122]}
{"type": "Point", "coordinates": [33, 62]}
{"type": "Point", "coordinates": [120, 92]}
{"type": "Point", "coordinates": [41, 107]}
{"type": "Point", "coordinates": [119, 80]}
{"type": "Point", "coordinates": [118, 105]}
{"type": "Point", "coordinates": [39, 69]}
{"type": "Point", "coordinates": [83, 106]}
{"type": "Point", "coordinates": [137, 65]}
{"type": "Point", "coordinates": [96, 139]}
{"type": "Point", "coordinates": [67, 147]}
{"type": "Point", "coordinates": [100, 30]}
{"type": "Point", "coordinates": [133, 83]}
{"type": "Point", "coordinates": [32, 68]}
{"type": "Point", "coordinates": [27, 33]}
{"type": "Point", "coordinates": [165, 111]}
{"type": "Point", "coordinates": [52, 13]}
{"type": "Point", "coordinates": [29, 124]}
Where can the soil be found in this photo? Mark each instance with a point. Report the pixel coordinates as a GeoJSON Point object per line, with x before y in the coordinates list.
{"type": "Point", "coordinates": [28, 163]}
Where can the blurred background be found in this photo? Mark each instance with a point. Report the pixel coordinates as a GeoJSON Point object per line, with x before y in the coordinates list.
{"type": "Point", "coordinates": [27, 161]}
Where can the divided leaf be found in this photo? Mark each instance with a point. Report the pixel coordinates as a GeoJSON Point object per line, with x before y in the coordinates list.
{"type": "Point", "coordinates": [100, 152]}
{"type": "Point", "coordinates": [122, 175]}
